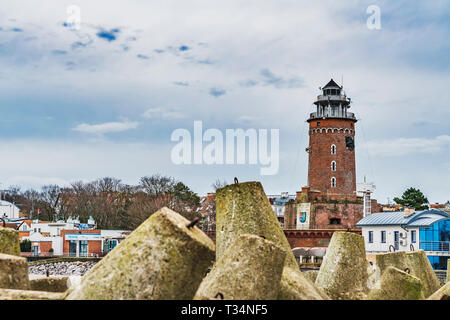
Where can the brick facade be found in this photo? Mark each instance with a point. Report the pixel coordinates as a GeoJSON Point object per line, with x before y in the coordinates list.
{"type": "Point", "coordinates": [94, 246]}
{"type": "Point", "coordinates": [323, 134]}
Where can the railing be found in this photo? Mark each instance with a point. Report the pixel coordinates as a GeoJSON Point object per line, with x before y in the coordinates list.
{"type": "Point", "coordinates": [442, 246]}
{"type": "Point", "coordinates": [333, 97]}
{"type": "Point", "coordinates": [314, 115]}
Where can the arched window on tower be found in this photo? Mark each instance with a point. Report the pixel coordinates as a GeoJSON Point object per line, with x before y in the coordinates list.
{"type": "Point", "coordinates": [333, 165]}
{"type": "Point", "coordinates": [333, 149]}
{"type": "Point", "coordinates": [333, 182]}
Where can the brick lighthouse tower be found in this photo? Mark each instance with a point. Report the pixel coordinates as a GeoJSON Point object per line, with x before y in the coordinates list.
{"type": "Point", "coordinates": [330, 200]}
{"type": "Point", "coordinates": [331, 171]}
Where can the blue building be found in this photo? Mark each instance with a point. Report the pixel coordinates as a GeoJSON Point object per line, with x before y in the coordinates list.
{"type": "Point", "coordinates": [407, 230]}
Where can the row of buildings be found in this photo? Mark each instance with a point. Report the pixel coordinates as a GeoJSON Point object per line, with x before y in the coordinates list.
{"type": "Point", "coordinates": [65, 238]}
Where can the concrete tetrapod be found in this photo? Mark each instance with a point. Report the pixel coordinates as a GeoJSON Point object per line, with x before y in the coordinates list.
{"type": "Point", "coordinates": [343, 273]}
{"type": "Point", "coordinates": [250, 269]}
{"type": "Point", "coordinates": [414, 261]}
{"type": "Point", "coordinates": [161, 259]}
{"type": "Point", "coordinates": [296, 286]}
{"type": "Point", "coordinates": [9, 241]}
{"type": "Point", "coordinates": [441, 294]}
{"type": "Point", "coordinates": [448, 270]}
{"type": "Point", "coordinates": [396, 284]}
{"type": "Point", "coordinates": [243, 208]}
{"type": "Point", "coordinates": [10, 294]}
{"type": "Point", "coordinates": [50, 284]}
{"type": "Point", "coordinates": [13, 272]}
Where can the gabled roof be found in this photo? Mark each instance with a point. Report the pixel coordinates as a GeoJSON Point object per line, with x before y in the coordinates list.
{"type": "Point", "coordinates": [331, 84]}
{"type": "Point", "coordinates": [417, 219]}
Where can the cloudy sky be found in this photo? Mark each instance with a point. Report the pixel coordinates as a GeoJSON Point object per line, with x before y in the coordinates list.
{"type": "Point", "coordinates": [103, 100]}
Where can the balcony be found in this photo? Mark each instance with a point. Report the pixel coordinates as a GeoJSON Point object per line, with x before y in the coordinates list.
{"type": "Point", "coordinates": [349, 115]}
{"type": "Point", "coordinates": [332, 97]}
{"type": "Point", "coordinates": [439, 248]}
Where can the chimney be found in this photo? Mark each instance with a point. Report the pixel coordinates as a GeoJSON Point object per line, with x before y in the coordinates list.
{"type": "Point", "coordinates": [408, 211]}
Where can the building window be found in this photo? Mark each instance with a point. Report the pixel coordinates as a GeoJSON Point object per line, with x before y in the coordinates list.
{"type": "Point", "coordinates": [335, 221]}
{"type": "Point", "coordinates": [333, 149]}
{"type": "Point", "coordinates": [370, 236]}
{"type": "Point", "coordinates": [383, 236]}
{"type": "Point", "coordinates": [413, 236]}
{"type": "Point", "coordinates": [333, 182]}
{"type": "Point", "coordinates": [333, 165]}
{"type": "Point", "coordinates": [318, 124]}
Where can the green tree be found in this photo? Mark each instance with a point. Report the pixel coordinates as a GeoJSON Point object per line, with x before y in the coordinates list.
{"type": "Point", "coordinates": [413, 198]}
{"type": "Point", "coordinates": [25, 246]}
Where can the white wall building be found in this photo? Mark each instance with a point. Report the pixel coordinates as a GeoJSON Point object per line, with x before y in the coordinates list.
{"type": "Point", "coordinates": [408, 230]}
{"type": "Point", "coordinates": [8, 210]}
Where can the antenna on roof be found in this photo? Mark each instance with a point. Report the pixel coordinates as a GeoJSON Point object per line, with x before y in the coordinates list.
{"type": "Point", "coordinates": [342, 81]}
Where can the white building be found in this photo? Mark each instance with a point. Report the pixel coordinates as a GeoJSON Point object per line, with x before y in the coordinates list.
{"type": "Point", "coordinates": [8, 210]}
{"type": "Point", "coordinates": [409, 230]}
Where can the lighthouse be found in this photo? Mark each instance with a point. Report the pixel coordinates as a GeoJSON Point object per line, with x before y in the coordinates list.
{"type": "Point", "coordinates": [330, 200]}
{"type": "Point", "coordinates": [331, 164]}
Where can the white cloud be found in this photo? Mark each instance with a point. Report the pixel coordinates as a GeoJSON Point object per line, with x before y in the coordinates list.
{"type": "Point", "coordinates": [106, 127]}
{"type": "Point", "coordinates": [406, 146]}
{"type": "Point", "coordinates": [160, 113]}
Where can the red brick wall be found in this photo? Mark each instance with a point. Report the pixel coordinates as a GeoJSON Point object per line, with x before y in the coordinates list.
{"type": "Point", "coordinates": [44, 246]}
{"type": "Point", "coordinates": [93, 246]}
{"type": "Point", "coordinates": [303, 238]}
{"type": "Point", "coordinates": [320, 158]}
{"type": "Point", "coordinates": [348, 213]}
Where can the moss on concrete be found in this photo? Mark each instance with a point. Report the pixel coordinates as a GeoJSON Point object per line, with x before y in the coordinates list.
{"type": "Point", "coordinates": [343, 273]}
{"type": "Point", "coordinates": [311, 275]}
{"type": "Point", "coordinates": [296, 286]}
{"type": "Point", "coordinates": [441, 294]}
{"type": "Point", "coordinates": [50, 284]}
{"type": "Point", "coordinates": [13, 272]}
{"type": "Point", "coordinates": [9, 241]}
{"type": "Point", "coordinates": [396, 284]}
{"type": "Point", "coordinates": [448, 270]}
{"type": "Point", "coordinates": [250, 269]}
{"type": "Point", "coordinates": [422, 269]}
{"type": "Point", "coordinates": [10, 294]}
{"type": "Point", "coordinates": [418, 264]}
{"type": "Point", "coordinates": [244, 208]}
{"type": "Point", "coordinates": [161, 259]}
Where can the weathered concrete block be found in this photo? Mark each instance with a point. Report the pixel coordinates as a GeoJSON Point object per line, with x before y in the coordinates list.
{"type": "Point", "coordinates": [9, 241]}
{"type": "Point", "coordinates": [10, 294]}
{"type": "Point", "coordinates": [441, 294]}
{"type": "Point", "coordinates": [421, 267]}
{"type": "Point", "coordinates": [448, 270]}
{"type": "Point", "coordinates": [415, 261]}
{"type": "Point", "coordinates": [161, 259]}
{"type": "Point", "coordinates": [311, 275]}
{"type": "Point", "coordinates": [397, 259]}
{"type": "Point", "coordinates": [250, 269]}
{"type": "Point", "coordinates": [13, 272]}
{"type": "Point", "coordinates": [50, 284]}
{"type": "Point", "coordinates": [343, 273]}
{"type": "Point", "coordinates": [396, 284]}
{"type": "Point", "coordinates": [296, 286]}
{"type": "Point", "coordinates": [244, 208]}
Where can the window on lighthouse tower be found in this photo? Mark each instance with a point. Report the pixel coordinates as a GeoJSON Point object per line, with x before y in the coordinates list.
{"type": "Point", "coordinates": [333, 165]}
{"type": "Point", "coordinates": [333, 149]}
{"type": "Point", "coordinates": [333, 182]}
